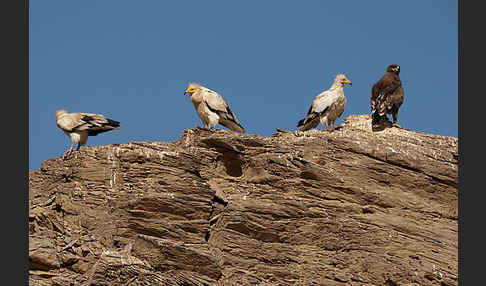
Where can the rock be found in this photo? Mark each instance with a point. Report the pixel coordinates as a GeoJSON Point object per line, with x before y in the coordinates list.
{"type": "Point", "coordinates": [350, 207]}
{"type": "Point", "coordinates": [42, 254]}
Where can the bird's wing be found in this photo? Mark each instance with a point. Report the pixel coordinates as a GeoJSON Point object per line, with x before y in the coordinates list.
{"type": "Point", "coordinates": [386, 86]}
{"type": "Point", "coordinates": [322, 101]}
{"type": "Point", "coordinates": [90, 122]}
{"type": "Point", "coordinates": [215, 101]}
{"type": "Point", "coordinates": [319, 105]}
{"type": "Point", "coordinates": [217, 104]}
{"type": "Point", "coordinates": [396, 98]}
{"type": "Point", "coordinates": [69, 122]}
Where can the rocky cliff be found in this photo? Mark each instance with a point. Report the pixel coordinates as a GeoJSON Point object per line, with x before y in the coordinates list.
{"type": "Point", "coordinates": [351, 207]}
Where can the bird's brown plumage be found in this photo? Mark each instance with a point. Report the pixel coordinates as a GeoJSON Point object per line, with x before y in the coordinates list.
{"type": "Point", "coordinates": [387, 95]}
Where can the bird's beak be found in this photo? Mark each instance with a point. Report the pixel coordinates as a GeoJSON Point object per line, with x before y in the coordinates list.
{"type": "Point", "coordinates": [348, 81]}
{"type": "Point", "coordinates": [187, 91]}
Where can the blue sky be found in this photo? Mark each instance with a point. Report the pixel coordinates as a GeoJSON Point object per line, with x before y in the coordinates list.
{"type": "Point", "coordinates": [132, 61]}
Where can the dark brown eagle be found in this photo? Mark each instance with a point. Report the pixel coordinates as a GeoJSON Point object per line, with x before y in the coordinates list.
{"type": "Point", "coordinates": [387, 96]}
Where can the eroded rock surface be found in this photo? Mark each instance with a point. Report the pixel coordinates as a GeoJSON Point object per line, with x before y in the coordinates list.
{"type": "Point", "coordinates": [352, 207]}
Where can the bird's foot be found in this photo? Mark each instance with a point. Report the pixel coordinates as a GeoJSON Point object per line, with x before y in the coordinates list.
{"type": "Point", "coordinates": [378, 126]}
{"type": "Point", "coordinates": [298, 133]}
{"type": "Point", "coordinates": [205, 128]}
{"type": "Point", "coordinates": [66, 154]}
{"type": "Point", "coordinates": [282, 130]}
{"type": "Point", "coordinates": [208, 127]}
{"type": "Point", "coordinates": [331, 128]}
{"type": "Point", "coordinates": [339, 127]}
{"type": "Point", "coordinates": [397, 126]}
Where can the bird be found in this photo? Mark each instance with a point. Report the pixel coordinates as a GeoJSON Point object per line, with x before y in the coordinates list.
{"type": "Point", "coordinates": [327, 106]}
{"type": "Point", "coordinates": [212, 109]}
{"type": "Point", "coordinates": [387, 96]}
{"type": "Point", "coordinates": [78, 126]}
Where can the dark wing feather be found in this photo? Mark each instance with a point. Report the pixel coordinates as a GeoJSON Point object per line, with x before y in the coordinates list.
{"type": "Point", "coordinates": [228, 119]}
{"type": "Point", "coordinates": [311, 116]}
{"type": "Point", "coordinates": [95, 124]}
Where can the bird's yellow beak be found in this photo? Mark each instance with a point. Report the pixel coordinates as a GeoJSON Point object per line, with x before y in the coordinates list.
{"type": "Point", "coordinates": [396, 68]}
{"type": "Point", "coordinates": [347, 81]}
{"type": "Point", "coordinates": [189, 91]}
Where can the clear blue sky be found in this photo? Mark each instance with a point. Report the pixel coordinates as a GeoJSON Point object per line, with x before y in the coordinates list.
{"type": "Point", "coordinates": [132, 61]}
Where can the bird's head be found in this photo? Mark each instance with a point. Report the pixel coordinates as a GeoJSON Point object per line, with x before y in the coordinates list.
{"type": "Point", "coordinates": [393, 69]}
{"type": "Point", "coordinates": [342, 79]}
{"type": "Point", "coordinates": [60, 112]}
{"type": "Point", "coordinates": [191, 88]}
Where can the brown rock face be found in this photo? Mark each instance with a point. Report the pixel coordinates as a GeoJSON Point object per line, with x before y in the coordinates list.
{"type": "Point", "coordinates": [351, 207]}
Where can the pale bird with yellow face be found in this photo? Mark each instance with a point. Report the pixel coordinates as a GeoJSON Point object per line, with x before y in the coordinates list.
{"type": "Point", "coordinates": [212, 109]}
{"type": "Point", "coordinates": [78, 126]}
{"type": "Point", "coordinates": [327, 106]}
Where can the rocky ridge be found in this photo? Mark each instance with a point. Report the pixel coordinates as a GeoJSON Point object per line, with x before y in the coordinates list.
{"type": "Point", "coordinates": [351, 207]}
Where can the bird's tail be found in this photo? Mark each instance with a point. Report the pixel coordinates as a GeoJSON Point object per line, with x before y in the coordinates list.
{"type": "Point", "coordinates": [101, 126]}
{"type": "Point", "coordinates": [309, 118]}
{"type": "Point", "coordinates": [309, 122]}
{"type": "Point", "coordinates": [235, 126]}
{"type": "Point", "coordinates": [301, 122]}
{"type": "Point", "coordinates": [375, 118]}
{"type": "Point", "coordinates": [113, 123]}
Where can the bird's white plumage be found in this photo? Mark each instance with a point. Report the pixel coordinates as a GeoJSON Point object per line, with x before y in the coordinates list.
{"type": "Point", "coordinates": [78, 126]}
{"type": "Point", "coordinates": [327, 106]}
{"type": "Point", "coordinates": [325, 99]}
{"type": "Point", "coordinates": [214, 100]}
{"type": "Point", "coordinates": [212, 109]}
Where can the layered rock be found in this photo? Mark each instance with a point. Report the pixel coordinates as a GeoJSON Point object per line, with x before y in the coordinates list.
{"type": "Point", "coordinates": [351, 207]}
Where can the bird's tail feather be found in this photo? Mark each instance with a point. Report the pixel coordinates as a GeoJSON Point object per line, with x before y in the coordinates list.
{"type": "Point", "coordinates": [376, 118]}
{"type": "Point", "coordinates": [110, 124]}
{"type": "Point", "coordinates": [301, 122]}
{"type": "Point", "coordinates": [113, 123]}
{"type": "Point", "coordinates": [310, 123]}
{"type": "Point", "coordinates": [310, 117]}
{"type": "Point", "coordinates": [235, 126]}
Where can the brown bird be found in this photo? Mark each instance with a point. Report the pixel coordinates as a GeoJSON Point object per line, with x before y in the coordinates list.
{"type": "Point", "coordinates": [78, 126]}
{"type": "Point", "coordinates": [212, 108]}
{"type": "Point", "coordinates": [387, 96]}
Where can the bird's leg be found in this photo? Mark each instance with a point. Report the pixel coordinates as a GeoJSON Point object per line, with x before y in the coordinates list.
{"type": "Point", "coordinates": [327, 126]}
{"type": "Point", "coordinates": [79, 146]}
{"type": "Point", "coordinates": [68, 152]}
{"type": "Point", "coordinates": [332, 126]}
{"type": "Point", "coordinates": [207, 127]}
{"type": "Point", "coordinates": [395, 117]}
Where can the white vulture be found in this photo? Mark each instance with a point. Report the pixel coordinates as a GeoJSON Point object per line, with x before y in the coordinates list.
{"type": "Point", "coordinates": [78, 126]}
{"type": "Point", "coordinates": [327, 106]}
{"type": "Point", "coordinates": [212, 109]}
